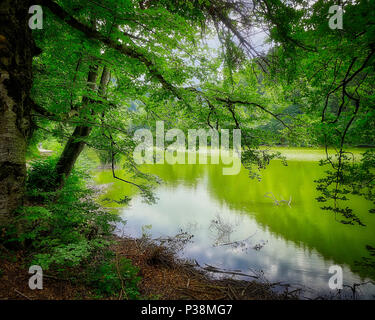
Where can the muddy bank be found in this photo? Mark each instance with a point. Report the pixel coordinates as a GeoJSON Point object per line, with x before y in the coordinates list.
{"type": "Point", "coordinates": [164, 276]}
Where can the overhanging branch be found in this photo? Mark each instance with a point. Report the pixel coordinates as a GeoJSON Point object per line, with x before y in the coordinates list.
{"type": "Point", "coordinates": [96, 35]}
{"type": "Point", "coordinates": [231, 102]}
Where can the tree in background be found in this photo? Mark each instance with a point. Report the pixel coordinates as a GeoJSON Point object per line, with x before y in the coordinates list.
{"type": "Point", "coordinates": [156, 57]}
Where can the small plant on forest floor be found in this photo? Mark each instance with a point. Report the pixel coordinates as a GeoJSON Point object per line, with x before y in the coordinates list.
{"type": "Point", "coordinates": [116, 276]}
{"type": "Point", "coordinates": [65, 230]}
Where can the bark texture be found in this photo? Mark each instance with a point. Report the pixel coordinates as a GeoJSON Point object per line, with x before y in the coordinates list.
{"type": "Point", "coordinates": [76, 142]}
{"type": "Point", "coordinates": [16, 51]}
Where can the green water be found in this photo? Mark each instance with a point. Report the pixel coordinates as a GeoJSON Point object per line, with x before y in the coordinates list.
{"type": "Point", "coordinates": [235, 226]}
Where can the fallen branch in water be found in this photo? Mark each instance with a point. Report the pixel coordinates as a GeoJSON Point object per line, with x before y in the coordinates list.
{"type": "Point", "coordinates": [217, 270]}
{"type": "Point", "coordinates": [271, 196]}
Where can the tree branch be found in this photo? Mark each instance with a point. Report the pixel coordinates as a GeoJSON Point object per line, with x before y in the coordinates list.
{"type": "Point", "coordinates": [96, 35]}
{"type": "Point", "coordinates": [230, 101]}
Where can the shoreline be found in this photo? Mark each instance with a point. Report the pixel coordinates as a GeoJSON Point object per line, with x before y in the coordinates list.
{"type": "Point", "coordinates": [164, 277]}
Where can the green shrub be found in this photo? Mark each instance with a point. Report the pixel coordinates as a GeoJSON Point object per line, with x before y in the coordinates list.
{"type": "Point", "coordinates": [66, 227]}
{"type": "Point", "coordinates": [115, 276]}
{"type": "Point", "coordinates": [41, 175]}
{"type": "Point", "coordinates": [66, 231]}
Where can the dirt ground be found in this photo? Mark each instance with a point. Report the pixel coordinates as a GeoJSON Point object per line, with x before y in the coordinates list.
{"type": "Point", "coordinates": [164, 276]}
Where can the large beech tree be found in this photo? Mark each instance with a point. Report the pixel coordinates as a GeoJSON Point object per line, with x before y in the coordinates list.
{"type": "Point", "coordinates": [17, 49]}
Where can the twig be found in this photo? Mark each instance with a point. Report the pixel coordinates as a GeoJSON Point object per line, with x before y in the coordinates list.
{"type": "Point", "coordinates": [233, 292]}
{"type": "Point", "coordinates": [214, 269]}
{"type": "Point", "coordinates": [23, 295]}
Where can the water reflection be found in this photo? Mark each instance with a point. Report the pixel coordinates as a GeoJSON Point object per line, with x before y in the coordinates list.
{"type": "Point", "coordinates": [236, 226]}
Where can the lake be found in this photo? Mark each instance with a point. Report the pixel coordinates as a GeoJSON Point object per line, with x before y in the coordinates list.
{"type": "Point", "coordinates": [237, 224]}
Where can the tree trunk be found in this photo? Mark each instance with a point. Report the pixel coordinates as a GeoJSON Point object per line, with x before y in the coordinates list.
{"type": "Point", "coordinates": [76, 143]}
{"type": "Point", "coordinates": [16, 51]}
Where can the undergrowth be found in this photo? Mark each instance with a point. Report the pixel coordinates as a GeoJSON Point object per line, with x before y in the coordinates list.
{"type": "Point", "coordinates": [67, 232]}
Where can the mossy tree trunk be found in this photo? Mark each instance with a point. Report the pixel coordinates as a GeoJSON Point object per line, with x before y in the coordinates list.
{"type": "Point", "coordinates": [16, 52]}
{"type": "Point", "coordinates": [76, 142]}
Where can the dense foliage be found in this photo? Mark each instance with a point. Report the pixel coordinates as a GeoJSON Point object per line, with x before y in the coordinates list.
{"type": "Point", "coordinates": [107, 68]}
{"type": "Point", "coordinates": [66, 230]}
{"type": "Point", "coordinates": [312, 86]}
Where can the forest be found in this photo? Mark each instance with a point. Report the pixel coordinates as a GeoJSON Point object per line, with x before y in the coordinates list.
{"type": "Point", "coordinates": [187, 149]}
